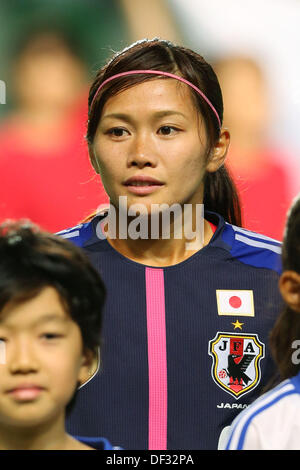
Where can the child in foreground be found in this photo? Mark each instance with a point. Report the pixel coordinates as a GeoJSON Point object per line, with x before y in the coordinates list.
{"type": "Point", "coordinates": [51, 302]}
{"type": "Point", "coordinates": [272, 421]}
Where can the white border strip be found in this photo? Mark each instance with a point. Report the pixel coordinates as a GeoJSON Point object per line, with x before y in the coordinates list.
{"type": "Point", "coordinates": [255, 235]}
{"type": "Point", "coordinates": [70, 235]}
{"type": "Point", "coordinates": [251, 242]}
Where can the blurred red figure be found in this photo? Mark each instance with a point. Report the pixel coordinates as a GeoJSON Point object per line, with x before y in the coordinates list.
{"type": "Point", "coordinates": [45, 173]}
{"type": "Point", "coordinates": [255, 164]}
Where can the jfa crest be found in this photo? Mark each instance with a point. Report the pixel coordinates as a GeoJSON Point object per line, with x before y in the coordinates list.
{"type": "Point", "coordinates": [236, 362]}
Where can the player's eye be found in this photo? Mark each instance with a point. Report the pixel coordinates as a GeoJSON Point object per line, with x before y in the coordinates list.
{"type": "Point", "coordinates": [167, 130]}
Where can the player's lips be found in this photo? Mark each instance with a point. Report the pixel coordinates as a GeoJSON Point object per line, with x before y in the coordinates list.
{"type": "Point", "coordinates": [25, 392]}
{"type": "Point", "coordinates": [142, 184]}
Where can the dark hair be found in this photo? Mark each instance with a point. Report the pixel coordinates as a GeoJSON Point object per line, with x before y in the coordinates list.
{"type": "Point", "coordinates": [287, 327]}
{"type": "Point", "coordinates": [220, 194]}
{"type": "Point", "coordinates": [31, 259]}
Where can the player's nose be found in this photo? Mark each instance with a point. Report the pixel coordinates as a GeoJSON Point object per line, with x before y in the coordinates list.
{"type": "Point", "coordinates": [142, 152]}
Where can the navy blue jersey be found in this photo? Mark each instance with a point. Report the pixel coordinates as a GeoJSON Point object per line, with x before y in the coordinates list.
{"type": "Point", "coordinates": [185, 347]}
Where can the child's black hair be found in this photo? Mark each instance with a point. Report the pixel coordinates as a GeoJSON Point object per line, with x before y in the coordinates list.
{"type": "Point", "coordinates": [31, 259]}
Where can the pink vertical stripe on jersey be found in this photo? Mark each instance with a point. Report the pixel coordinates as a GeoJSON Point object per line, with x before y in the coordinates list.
{"type": "Point", "coordinates": [157, 358]}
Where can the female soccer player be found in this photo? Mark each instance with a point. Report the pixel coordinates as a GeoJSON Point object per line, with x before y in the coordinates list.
{"type": "Point", "coordinates": [190, 299]}
{"type": "Point", "coordinates": [49, 334]}
{"type": "Point", "coordinates": [272, 421]}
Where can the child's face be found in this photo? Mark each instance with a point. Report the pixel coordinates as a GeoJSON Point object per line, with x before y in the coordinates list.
{"type": "Point", "coordinates": [44, 360]}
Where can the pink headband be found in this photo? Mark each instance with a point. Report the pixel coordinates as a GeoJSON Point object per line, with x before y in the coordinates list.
{"type": "Point", "coordinates": [158, 72]}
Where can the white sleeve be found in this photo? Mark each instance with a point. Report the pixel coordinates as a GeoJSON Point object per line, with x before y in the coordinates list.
{"type": "Point", "coordinates": [223, 438]}
{"type": "Point", "coordinates": [253, 439]}
{"type": "Point", "coordinates": [245, 439]}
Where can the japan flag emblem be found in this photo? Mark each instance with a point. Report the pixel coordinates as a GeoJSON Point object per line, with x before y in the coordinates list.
{"type": "Point", "coordinates": [235, 302]}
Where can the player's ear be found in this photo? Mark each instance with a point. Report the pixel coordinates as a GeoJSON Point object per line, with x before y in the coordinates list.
{"type": "Point", "coordinates": [289, 285]}
{"type": "Point", "coordinates": [218, 153]}
{"type": "Point", "coordinates": [93, 159]}
{"type": "Point", "coordinates": [89, 366]}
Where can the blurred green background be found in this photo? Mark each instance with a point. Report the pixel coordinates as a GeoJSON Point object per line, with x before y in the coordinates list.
{"type": "Point", "coordinates": [96, 28]}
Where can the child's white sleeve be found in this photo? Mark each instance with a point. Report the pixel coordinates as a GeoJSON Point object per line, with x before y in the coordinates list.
{"type": "Point", "coordinates": [248, 437]}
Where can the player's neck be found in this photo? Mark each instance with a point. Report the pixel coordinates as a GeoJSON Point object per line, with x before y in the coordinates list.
{"type": "Point", "coordinates": [162, 252]}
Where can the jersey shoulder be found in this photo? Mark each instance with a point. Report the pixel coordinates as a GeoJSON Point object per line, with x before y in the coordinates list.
{"type": "Point", "coordinates": [246, 246]}
{"type": "Point", "coordinates": [84, 233]}
{"type": "Point", "coordinates": [267, 417]}
{"type": "Point", "coordinates": [98, 443]}
{"type": "Point", "coordinates": [252, 248]}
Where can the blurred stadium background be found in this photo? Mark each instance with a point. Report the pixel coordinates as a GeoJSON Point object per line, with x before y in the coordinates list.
{"type": "Point", "coordinates": [50, 49]}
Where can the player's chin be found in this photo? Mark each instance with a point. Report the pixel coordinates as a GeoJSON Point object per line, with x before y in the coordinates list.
{"type": "Point", "coordinates": [139, 204]}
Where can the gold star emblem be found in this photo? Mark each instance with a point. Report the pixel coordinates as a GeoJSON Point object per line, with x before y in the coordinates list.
{"type": "Point", "coordinates": [237, 324]}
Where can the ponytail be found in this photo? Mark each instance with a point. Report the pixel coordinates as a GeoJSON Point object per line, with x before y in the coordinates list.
{"type": "Point", "coordinates": [221, 196]}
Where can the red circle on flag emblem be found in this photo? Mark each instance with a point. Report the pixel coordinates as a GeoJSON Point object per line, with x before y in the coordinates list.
{"type": "Point", "coordinates": [235, 301]}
